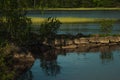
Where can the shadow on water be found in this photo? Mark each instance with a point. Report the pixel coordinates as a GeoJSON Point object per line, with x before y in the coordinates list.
{"type": "Point", "coordinates": [50, 66]}
{"type": "Point", "coordinates": [49, 63]}
{"type": "Point", "coordinates": [106, 55]}
{"type": "Point", "coordinates": [27, 76]}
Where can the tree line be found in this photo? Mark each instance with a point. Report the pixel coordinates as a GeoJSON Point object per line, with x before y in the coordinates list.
{"type": "Point", "coordinates": [69, 3]}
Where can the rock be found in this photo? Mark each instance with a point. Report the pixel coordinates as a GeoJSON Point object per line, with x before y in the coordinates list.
{"type": "Point", "coordinates": [119, 39]}
{"type": "Point", "coordinates": [69, 42]}
{"type": "Point", "coordinates": [84, 41]}
{"type": "Point", "coordinates": [24, 56]}
{"type": "Point", "coordinates": [103, 40]}
{"type": "Point", "coordinates": [64, 42]}
{"type": "Point", "coordinates": [77, 41]}
{"type": "Point", "coordinates": [69, 47]}
{"type": "Point", "coordinates": [57, 42]}
{"type": "Point", "coordinates": [93, 40]}
{"type": "Point", "coordinates": [114, 39]}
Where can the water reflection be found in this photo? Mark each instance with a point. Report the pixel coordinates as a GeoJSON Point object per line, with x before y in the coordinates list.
{"type": "Point", "coordinates": [106, 55]}
{"type": "Point", "coordinates": [27, 76]}
{"type": "Point", "coordinates": [49, 63]}
{"type": "Point", "coordinates": [75, 63]}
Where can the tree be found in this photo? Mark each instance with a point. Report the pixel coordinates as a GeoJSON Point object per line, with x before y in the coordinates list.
{"type": "Point", "coordinates": [96, 3]}
{"type": "Point", "coordinates": [16, 26]}
{"type": "Point", "coordinates": [48, 29]}
{"type": "Point", "coordinates": [6, 72]}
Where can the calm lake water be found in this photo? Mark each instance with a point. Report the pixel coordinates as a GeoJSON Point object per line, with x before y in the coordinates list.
{"type": "Point", "coordinates": [74, 28]}
{"type": "Point", "coordinates": [81, 14]}
{"type": "Point", "coordinates": [102, 63]}
{"type": "Point", "coordinates": [84, 28]}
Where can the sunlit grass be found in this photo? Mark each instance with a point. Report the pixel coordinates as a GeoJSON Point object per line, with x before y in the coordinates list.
{"type": "Point", "coordinates": [73, 20]}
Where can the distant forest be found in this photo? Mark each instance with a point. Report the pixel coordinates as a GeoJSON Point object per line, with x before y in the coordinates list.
{"type": "Point", "coordinates": [69, 3]}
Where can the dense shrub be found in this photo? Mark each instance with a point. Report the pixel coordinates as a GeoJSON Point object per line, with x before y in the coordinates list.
{"type": "Point", "coordinates": [48, 29]}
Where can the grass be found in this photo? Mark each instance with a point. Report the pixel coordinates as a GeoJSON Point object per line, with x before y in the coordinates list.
{"type": "Point", "coordinates": [36, 20]}
{"type": "Point", "coordinates": [74, 9]}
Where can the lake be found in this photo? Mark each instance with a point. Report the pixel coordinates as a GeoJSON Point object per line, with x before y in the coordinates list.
{"type": "Point", "coordinates": [81, 14]}
{"type": "Point", "coordinates": [100, 63]}
{"type": "Point", "coordinates": [97, 63]}
{"type": "Point", "coordinates": [84, 28]}
{"type": "Point", "coordinates": [74, 28]}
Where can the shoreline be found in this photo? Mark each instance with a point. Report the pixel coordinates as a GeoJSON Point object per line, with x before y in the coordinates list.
{"type": "Point", "coordinates": [74, 9]}
{"type": "Point", "coordinates": [86, 42]}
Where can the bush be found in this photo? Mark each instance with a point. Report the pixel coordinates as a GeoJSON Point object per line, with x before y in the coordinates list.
{"type": "Point", "coordinates": [6, 73]}
{"type": "Point", "coordinates": [14, 25]}
{"type": "Point", "coordinates": [48, 29]}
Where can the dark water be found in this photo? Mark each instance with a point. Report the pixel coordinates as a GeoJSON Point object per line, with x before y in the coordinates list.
{"type": "Point", "coordinates": [84, 28]}
{"type": "Point", "coordinates": [102, 63]}
{"type": "Point", "coordinates": [81, 14]}
{"type": "Point", "coordinates": [88, 28]}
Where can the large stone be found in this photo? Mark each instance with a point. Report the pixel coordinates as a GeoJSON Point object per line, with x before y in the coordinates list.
{"type": "Point", "coordinates": [119, 39]}
{"type": "Point", "coordinates": [69, 42]}
{"type": "Point", "coordinates": [23, 56]}
{"type": "Point", "coordinates": [57, 42]}
{"type": "Point", "coordinates": [103, 40]}
{"type": "Point", "coordinates": [77, 41]}
{"type": "Point", "coordinates": [69, 47]}
{"type": "Point", "coordinates": [84, 41]}
{"type": "Point", "coordinates": [64, 42]}
{"type": "Point", "coordinates": [114, 39]}
{"type": "Point", "coordinates": [94, 40]}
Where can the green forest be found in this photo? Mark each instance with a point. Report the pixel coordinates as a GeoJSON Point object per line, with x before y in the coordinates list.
{"type": "Point", "coordinates": [69, 3]}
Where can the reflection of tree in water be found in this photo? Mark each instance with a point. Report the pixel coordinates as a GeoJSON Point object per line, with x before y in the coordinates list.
{"type": "Point", "coordinates": [27, 76]}
{"type": "Point", "coordinates": [49, 63]}
{"type": "Point", "coordinates": [106, 55]}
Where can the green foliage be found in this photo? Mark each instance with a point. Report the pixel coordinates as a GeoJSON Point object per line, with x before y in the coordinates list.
{"type": "Point", "coordinates": [48, 29]}
{"type": "Point", "coordinates": [106, 26]}
{"type": "Point", "coordinates": [68, 3]}
{"type": "Point", "coordinates": [13, 21]}
{"type": "Point", "coordinates": [6, 72]}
